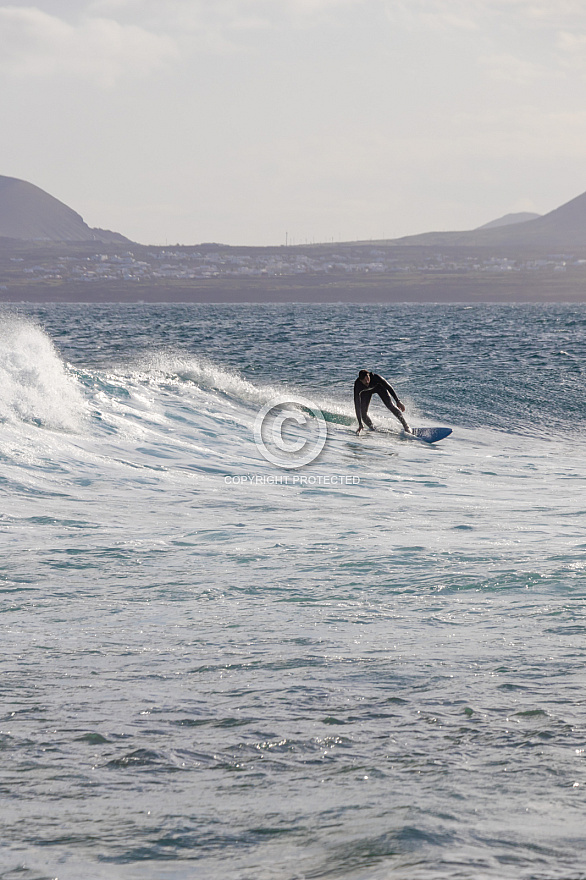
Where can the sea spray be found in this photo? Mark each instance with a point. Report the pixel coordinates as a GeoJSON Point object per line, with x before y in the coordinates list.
{"type": "Point", "coordinates": [179, 371]}
{"type": "Point", "coordinates": [36, 387]}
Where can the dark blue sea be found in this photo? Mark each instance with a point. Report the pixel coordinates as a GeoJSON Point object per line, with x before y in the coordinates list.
{"type": "Point", "coordinates": [222, 666]}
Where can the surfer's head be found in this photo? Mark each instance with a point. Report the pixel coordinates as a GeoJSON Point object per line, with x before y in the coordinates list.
{"type": "Point", "coordinates": [364, 377]}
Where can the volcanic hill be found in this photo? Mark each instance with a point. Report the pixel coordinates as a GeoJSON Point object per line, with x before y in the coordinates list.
{"type": "Point", "coordinates": [29, 213]}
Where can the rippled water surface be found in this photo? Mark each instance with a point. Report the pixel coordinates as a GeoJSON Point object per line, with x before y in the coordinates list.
{"type": "Point", "coordinates": [214, 669]}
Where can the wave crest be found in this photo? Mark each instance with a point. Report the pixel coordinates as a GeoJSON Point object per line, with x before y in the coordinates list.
{"type": "Point", "coordinates": [35, 384]}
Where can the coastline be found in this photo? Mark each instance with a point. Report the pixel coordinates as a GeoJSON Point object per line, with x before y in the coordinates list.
{"type": "Point", "coordinates": [412, 288]}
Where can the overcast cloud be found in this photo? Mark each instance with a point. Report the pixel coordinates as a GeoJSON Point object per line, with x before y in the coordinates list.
{"type": "Point", "coordinates": [242, 120]}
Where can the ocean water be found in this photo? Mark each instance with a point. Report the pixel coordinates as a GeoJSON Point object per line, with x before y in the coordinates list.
{"type": "Point", "coordinates": [370, 666]}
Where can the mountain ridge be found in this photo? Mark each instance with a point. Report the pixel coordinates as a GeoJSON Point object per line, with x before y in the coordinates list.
{"type": "Point", "coordinates": [564, 228]}
{"type": "Point", "coordinates": [29, 213]}
{"type": "Point", "coordinates": [510, 220]}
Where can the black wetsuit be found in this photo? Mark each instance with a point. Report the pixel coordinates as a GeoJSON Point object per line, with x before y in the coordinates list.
{"type": "Point", "coordinates": [363, 395]}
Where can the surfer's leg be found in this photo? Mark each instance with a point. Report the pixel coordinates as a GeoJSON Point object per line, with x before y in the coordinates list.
{"type": "Point", "coordinates": [364, 402]}
{"type": "Point", "coordinates": [385, 397]}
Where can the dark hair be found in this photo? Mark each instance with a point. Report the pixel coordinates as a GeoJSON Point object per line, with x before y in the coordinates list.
{"type": "Point", "coordinates": [363, 373]}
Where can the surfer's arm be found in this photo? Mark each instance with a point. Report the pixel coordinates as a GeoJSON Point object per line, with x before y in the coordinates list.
{"type": "Point", "coordinates": [357, 407]}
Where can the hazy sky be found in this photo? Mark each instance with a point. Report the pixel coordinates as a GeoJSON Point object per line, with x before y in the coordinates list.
{"type": "Point", "coordinates": [239, 121]}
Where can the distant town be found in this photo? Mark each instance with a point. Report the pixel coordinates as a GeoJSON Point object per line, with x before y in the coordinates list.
{"type": "Point", "coordinates": [192, 264]}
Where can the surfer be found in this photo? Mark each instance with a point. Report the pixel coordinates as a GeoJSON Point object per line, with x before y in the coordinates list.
{"type": "Point", "coordinates": [365, 386]}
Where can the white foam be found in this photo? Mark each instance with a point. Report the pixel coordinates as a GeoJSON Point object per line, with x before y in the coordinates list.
{"type": "Point", "coordinates": [163, 368]}
{"type": "Point", "coordinates": [36, 386]}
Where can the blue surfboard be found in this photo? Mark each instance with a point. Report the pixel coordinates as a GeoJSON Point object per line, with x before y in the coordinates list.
{"type": "Point", "coordinates": [429, 435]}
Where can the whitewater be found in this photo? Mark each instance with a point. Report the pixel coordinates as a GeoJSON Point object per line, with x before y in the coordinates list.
{"type": "Point", "coordinates": [368, 667]}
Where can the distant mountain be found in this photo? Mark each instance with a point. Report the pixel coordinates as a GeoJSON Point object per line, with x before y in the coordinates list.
{"type": "Point", "coordinates": [510, 220]}
{"type": "Point", "coordinates": [562, 230]}
{"type": "Point", "coordinates": [28, 212]}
